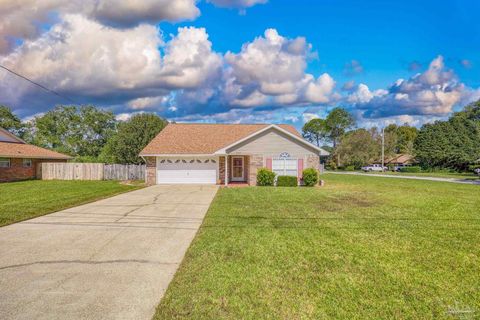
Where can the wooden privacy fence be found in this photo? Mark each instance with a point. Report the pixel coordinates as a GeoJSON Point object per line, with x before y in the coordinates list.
{"type": "Point", "coordinates": [90, 171]}
{"type": "Point", "coordinates": [124, 172]}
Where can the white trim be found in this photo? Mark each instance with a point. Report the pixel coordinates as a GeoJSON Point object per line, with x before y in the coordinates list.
{"type": "Point", "coordinates": [180, 155]}
{"type": "Point", "coordinates": [273, 126]}
{"type": "Point", "coordinates": [226, 170]}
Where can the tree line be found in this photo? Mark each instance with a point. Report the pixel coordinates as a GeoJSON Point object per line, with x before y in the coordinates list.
{"type": "Point", "coordinates": [90, 134]}
{"type": "Point", "coordinates": [86, 133]}
{"type": "Point", "coordinates": [450, 144]}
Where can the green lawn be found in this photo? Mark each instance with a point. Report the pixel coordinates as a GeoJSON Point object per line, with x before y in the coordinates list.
{"type": "Point", "coordinates": [28, 199]}
{"type": "Point", "coordinates": [440, 174]}
{"type": "Point", "coordinates": [358, 248]}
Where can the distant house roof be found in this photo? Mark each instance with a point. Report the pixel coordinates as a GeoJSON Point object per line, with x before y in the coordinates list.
{"type": "Point", "coordinates": [401, 159]}
{"type": "Point", "coordinates": [14, 147]}
{"type": "Point", "coordinates": [194, 138]}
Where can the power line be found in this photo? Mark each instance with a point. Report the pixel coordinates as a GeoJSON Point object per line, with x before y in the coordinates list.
{"type": "Point", "coordinates": [38, 84]}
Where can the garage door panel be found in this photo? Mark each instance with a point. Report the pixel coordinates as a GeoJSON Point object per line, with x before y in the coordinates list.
{"type": "Point", "coordinates": [187, 171]}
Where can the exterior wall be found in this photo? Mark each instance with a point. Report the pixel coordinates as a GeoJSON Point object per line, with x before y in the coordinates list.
{"type": "Point", "coordinates": [221, 170]}
{"type": "Point", "coordinates": [272, 143]}
{"type": "Point", "coordinates": [255, 163]}
{"type": "Point", "coordinates": [151, 171]}
{"type": "Point", "coordinates": [18, 172]}
{"type": "Point", "coordinates": [313, 161]}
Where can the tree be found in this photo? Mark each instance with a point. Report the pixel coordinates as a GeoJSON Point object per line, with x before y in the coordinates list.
{"type": "Point", "coordinates": [10, 122]}
{"type": "Point", "coordinates": [453, 143]}
{"type": "Point", "coordinates": [315, 131]}
{"type": "Point", "coordinates": [400, 138]}
{"type": "Point", "coordinates": [359, 147]}
{"type": "Point", "coordinates": [78, 131]}
{"type": "Point", "coordinates": [338, 122]}
{"type": "Point", "coordinates": [132, 136]}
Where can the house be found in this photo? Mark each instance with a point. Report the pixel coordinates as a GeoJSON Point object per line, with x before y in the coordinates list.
{"type": "Point", "coordinates": [226, 153]}
{"type": "Point", "coordinates": [19, 160]}
{"type": "Point", "coordinates": [401, 160]}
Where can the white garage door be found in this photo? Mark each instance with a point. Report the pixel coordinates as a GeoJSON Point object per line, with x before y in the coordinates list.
{"type": "Point", "coordinates": [187, 170]}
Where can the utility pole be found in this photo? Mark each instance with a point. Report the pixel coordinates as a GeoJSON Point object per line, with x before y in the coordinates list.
{"type": "Point", "coordinates": [383, 147]}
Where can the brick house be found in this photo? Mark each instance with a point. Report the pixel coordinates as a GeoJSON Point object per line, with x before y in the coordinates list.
{"type": "Point", "coordinates": [20, 160]}
{"type": "Point", "coordinates": [226, 153]}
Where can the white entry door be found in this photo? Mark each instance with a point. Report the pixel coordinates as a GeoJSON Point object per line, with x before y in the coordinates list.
{"type": "Point", "coordinates": [187, 170]}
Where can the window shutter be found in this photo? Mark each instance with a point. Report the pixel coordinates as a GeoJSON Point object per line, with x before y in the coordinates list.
{"type": "Point", "coordinates": [300, 169]}
{"type": "Point", "coordinates": [269, 163]}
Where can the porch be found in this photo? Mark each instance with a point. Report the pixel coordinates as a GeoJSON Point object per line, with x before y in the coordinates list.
{"type": "Point", "coordinates": [238, 170]}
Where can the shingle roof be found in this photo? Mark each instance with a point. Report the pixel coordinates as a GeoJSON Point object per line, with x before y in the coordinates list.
{"type": "Point", "coordinates": [401, 158]}
{"type": "Point", "coordinates": [23, 150]}
{"type": "Point", "coordinates": [194, 138]}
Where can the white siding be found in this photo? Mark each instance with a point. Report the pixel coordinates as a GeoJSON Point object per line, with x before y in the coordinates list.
{"type": "Point", "coordinates": [272, 143]}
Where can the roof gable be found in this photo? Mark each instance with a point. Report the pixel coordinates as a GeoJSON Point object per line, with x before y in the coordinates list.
{"type": "Point", "coordinates": [14, 147]}
{"type": "Point", "coordinates": [202, 138]}
{"type": "Point", "coordinates": [296, 138]}
{"type": "Point", "coordinates": [6, 136]}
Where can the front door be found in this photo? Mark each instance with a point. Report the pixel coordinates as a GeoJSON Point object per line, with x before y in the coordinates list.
{"type": "Point", "coordinates": [237, 169]}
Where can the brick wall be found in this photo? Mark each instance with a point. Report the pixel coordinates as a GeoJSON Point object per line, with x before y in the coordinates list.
{"type": "Point", "coordinates": [18, 172]}
{"type": "Point", "coordinates": [221, 170]}
{"type": "Point", "coordinates": [151, 171]}
{"type": "Point", "coordinates": [255, 162]}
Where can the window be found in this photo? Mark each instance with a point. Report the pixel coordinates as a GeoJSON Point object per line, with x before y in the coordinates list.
{"type": "Point", "coordinates": [4, 163]}
{"type": "Point", "coordinates": [27, 163]}
{"type": "Point", "coordinates": [285, 167]}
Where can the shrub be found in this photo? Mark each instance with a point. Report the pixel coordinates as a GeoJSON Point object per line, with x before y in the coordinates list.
{"type": "Point", "coordinates": [331, 165]}
{"type": "Point", "coordinates": [350, 168]}
{"type": "Point", "coordinates": [473, 167]}
{"type": "Point", "coordinates": [411, 169]}
{"type": "Point", "coordinates": [310, 177]}
{"type": "Point", "coordinates": [287, 181]}
{"type": "Point", "coordinates": [265, 177]}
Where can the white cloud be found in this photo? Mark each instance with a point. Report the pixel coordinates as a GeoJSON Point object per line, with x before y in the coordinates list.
{"type": "Point", "coordinates": [309, 116]}
{"type": "Point", "coordinates": [24, 19]}
{"type": "Point", "coordinates": [362, 94]}
{"type": "Point", "coordinates": [239, 4]}
{"type": "Point", "coordinates": [123, 116]}
{"type": "Point", "coordinates": [147, 102]}
{"type": "Point", "coordinates": [271, 69]}
{"type": "Point", "coordinates": [82, 57]}
{"type": "Point", "coordinates": [189, 60]}
{"type": "Point", "coordinates": [433, 92]}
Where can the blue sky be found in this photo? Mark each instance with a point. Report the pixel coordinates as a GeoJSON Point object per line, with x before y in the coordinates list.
{"type": "Point", "coordinates": [385, 36]}
{"type": "Point", "coordinates": [220, 66]}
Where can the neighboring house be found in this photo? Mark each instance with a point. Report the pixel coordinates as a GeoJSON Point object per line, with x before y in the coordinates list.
{"type": "Point", "coordinates": [226, 153]}
{"type": "Point", "coordinates": [401, 160]}
{"type": "Point", "coordinates": [19, 160]}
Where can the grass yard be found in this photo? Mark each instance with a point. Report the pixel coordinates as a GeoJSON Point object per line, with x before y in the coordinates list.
{"type": "Point", "coordinates": [358, 248]}
{"type": "Point", "coordinates": [28, 199]}
{"type": "Point", "coordinates": [440, 174]}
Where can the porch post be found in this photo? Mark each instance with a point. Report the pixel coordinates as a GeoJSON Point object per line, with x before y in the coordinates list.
{"type": "Point", "coordinates": [226, 169]}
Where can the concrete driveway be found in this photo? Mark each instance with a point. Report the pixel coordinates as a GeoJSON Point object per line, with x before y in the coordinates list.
{"type": "Point", "coordinates": [111, 259]}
